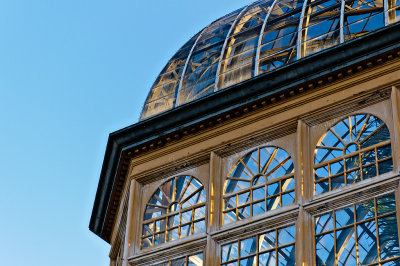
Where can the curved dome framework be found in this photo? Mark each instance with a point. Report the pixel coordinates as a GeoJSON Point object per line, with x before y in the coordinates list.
{"type": "Point", "coordinates": [259, 38]}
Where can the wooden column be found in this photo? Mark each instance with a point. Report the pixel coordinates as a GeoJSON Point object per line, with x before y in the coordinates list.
{"type": "Point", "coordinates": [214, 209]}
{"type": "Point", "coordinates": [304, 192]}
{"type": "Point", "coordinates": [395, 101]}
{"type": "Point", "coordinates": [131, 243]}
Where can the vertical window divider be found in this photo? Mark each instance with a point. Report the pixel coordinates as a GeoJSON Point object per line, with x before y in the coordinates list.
{"type": "Point", "coordinates": [386, 11]}
{"type": "Point", "coordinates": [133, 226]}
{"type": "Point", "coordinates": [397, 197]}
{"type": "Point", "coordinates": [395, 102]}
{"type": "Point", "coordinates": [377, 229]}
{"type": "Point", "coordinates": [300, 53]}
{"type": "Point", "coordinates": [342, 21]}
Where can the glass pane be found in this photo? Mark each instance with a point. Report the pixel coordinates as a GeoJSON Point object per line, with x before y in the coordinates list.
{"type": "Point", "coordinates": [352, 162]}
{"type": "Point", "coordinates": [230, 217]}
{"type": "Point", "coordinates": [196, 260]}
{"type": "Point", "coordinates": [147, 242]}
{"type": "Point", "coordinates": [185, 231]}
{"type": "Point", "coordinates": [323, 155]}
{"type": "Point", "coordinates": [173, 221]}
{"type": "Point", "coordinates": [368, 157]}
{"type": "Point", "coordinates": [287, 198]}
{"type": "Point", "coordinates": [244, 198]}
{"type": "Point", "coordinates": [321, 187]}
{"type": "Point", "coordinates": [244, 213]}
{"type": "Point", "coordinates": [388, 237]}
{"type": "Point", "coordinates": [186, 217]}
{"type": "Point", "coordinates": [248, 261]}
{"type": "Point", "coordinates": [230, 203]}
{"type": "Point", "coordinates": [199, 227]}
{"type": "Point", "coordinates": [286, 235]}
{"type": "Point", "coordinates": [232, 186]}
{"type": "Point", "coordinates": [392, 263]}
{"type": "Point", "coordinates": [324, 223]}
{"type": "Point", "coordinates": [321, 172]}
{"type": "Point", "coordinates": [337, 167]}
{"type": "Point", "coordinates": [325, 249]}
{"type": "Point", "coordinates": [385, 166]}
{"type": "Point", "coordinates": [273, 203]}
{"type": "Point", "coordinates": [159, 239]}
{"type": "Point", "coordinates": [229, 252]}
{"type": "Point", "coordinates": [367, 242]}
{"type": "Point", "coordinates": [273, 189]}
{"type": "Point", "coordinates": [385, 151]}
{"type": "Point", "coordinates": [353, 177]}
{"type": "Point", "coordinates": [268, 258]}
{"type": "Point", "coordinates": [344, 217]}
{"type": "Point", "coordinates": [386, 204]}
{"type": "Point", "coordinates": [148, 229]}
{"type": "Point", "coordinates": [248, 246]}
{"type": "Point", "coordinates": [287, 256]}
{"type": "Point", "coordinates": [346, 246]}
{"type": "Point", "coordinates": [365, 210]}
{"type": "Point", "coordinates": [173, 234]}
{"type": "Point", "coordinates": [337, 182]}
{"type": "Point", "coordinates": [199, 78]}
{"type": "Point", "coordinates": [369, 171]}
{"type": "Point", "coordinates": [200, 213]}
{"type": "Point", "coordinates": [376, 137]}
{"type": "Point", "coordinates": [259, 193]}
{"type": "Point", "coordinates": [287, 184]}
{"type": "Point", "coordinates": [259, 208]}
{"type": "Point", "coordinates": [160, 225]}
{"type": "Point", "coordinates": [267, 241]}
{"type": "Point", "coordinates": [162, 94]}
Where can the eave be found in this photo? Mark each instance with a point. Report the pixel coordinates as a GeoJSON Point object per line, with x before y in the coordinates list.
{"type": "Point", "coordinates": [307, 73]}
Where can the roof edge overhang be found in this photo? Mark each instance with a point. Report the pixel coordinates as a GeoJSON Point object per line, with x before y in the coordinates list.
{"type": "Point", "coordinates": [335, 59]}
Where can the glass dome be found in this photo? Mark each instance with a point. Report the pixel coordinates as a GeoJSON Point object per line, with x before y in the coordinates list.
{"type": "Point", "coordinates": [258, 38]}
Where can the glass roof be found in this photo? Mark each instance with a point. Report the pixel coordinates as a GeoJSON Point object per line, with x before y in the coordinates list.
{"type": "Point", "coordinates": [258, 38]}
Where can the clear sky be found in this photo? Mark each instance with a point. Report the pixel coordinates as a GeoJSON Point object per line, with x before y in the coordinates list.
{"type": "Point", "coordinates": [71, 72]}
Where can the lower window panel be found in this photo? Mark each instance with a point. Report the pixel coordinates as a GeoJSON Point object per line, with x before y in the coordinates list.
{"type": "Point", "coordinates": [276, 247]}
{"type": "Point", "coordinates": [191, 260]}
{"type": "Point", "coordinates": [365, 233]}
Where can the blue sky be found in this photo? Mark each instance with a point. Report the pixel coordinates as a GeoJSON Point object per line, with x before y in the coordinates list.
{"type": "Point", "coordinates": [71, 72]}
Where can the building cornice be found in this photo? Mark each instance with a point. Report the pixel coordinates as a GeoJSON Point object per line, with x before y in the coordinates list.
{"type": "Point", "coordinates": [308, 73]}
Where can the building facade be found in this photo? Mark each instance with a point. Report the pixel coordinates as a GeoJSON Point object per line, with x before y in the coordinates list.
{"type": "Point", "coordinates": [270, 138]}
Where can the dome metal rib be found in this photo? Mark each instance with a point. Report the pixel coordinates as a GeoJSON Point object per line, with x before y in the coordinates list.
{"type": "Point", "coordinates": [258, 38]}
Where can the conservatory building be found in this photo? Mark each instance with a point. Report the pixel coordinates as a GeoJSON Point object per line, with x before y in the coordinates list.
{"type": "Point", "coordinates": [270, 138]}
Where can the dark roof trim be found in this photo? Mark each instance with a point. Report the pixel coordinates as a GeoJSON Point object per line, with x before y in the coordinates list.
{"type": "Point", "coordinates": [334, 59]}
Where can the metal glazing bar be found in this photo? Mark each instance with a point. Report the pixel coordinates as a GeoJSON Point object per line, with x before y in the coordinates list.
{"type": "Point", "coordinates": [342, 8]}
{"type": "Point", "coordinates": [178, 92]}
{"type": "Point", "coordinates": [386, 11]}
{"type": "Point", "coordinates": [299, 30]}
{"type": "Point", "coordinates": [224, 46]}
{"type": "Point", "coordinates": [257, 63]}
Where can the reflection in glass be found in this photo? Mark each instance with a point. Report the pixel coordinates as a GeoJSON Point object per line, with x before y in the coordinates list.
{"type": "Point", "coordinates": [259, 38]}
{"type": "Point", "coordinates": [176, 210]}
{"type": "Point", "coordinates": [354, 149]}
{"type": "Point", "coordinates": [365, 232]}
{"type": "Point", "coordinates": [192, 260]}
{"type": "Point", "coordinates": [276, 247]}
{"type": "Point", "coordinates": [262, 180]}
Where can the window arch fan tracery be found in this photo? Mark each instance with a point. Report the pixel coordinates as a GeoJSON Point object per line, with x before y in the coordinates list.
{"type": "Point", "coordinates": [175, 210]}
{"type": "Point", "coordinates": [355, 149]}
{"type": "Point", "coordinates": [261, 181]}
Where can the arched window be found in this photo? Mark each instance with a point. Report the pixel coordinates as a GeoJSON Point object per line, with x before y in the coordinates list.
{"type": "Point", "coordinates": [356, 148]}
{"type": "Point", "coordinates": [262, 180]}
{"type": "Point", "coordinates": [176, 210]}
